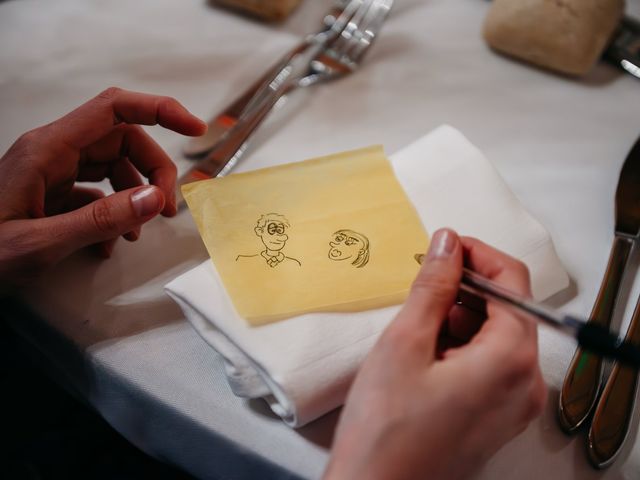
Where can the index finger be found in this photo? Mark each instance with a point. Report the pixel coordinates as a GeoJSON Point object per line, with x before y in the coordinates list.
{"type": "Point", "coordinates": [97, 117]}
{"type": "Point", "coordinates": [503, 327]}
{"type": "Point", "coordinates": [497, 266]}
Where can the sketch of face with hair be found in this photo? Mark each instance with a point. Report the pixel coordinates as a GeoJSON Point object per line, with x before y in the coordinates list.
{"type": "Point", "coordinates": [349, 245]}
{"type": "Point", "coordinates": [270, 229]}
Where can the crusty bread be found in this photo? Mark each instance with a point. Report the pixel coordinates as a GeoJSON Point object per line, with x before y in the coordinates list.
{"type": "Point", "coordinates": [269, 9]}
{"type": "Point", "coordinates": [568, 36]}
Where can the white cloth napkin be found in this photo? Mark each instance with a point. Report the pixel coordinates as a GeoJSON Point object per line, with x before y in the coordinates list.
{"type": "Point", "coordinates": [303, 365]}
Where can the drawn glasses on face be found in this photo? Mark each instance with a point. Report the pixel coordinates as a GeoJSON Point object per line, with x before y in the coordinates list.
{"type": "Point", "coordinates": [275, 228]}
{"type": "Point", "coordinates": [349, 245]}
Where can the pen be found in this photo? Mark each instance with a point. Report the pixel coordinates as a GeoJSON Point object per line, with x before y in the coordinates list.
{"type": "Point", "coordinates": [597, 339]}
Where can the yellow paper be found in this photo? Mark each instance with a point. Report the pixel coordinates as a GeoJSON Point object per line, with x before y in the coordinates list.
{"type": "Point", "coordinates": [335, 233]}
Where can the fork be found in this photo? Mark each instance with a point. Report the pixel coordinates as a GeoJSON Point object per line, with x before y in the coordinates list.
{"type": "Point", "coordinates": [324, 68]}
{"type": "Point", "coordinates": [224, 121]}
{"type": "Point", "coordinates": [331, 54]}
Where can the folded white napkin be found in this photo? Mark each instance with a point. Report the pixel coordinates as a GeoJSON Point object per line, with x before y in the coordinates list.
{"type": "Point", "coordinates": [303, 365]}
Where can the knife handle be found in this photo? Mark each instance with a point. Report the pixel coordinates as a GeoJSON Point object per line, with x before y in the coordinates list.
{"type": "Point", "coordinates": [610, 424]}
{"type": "Point", "coordinates": [624, 49]}
{"type": "Point", "coordinates": [584, 377]}
{"type": "Point", "coordinates": [223, 122]}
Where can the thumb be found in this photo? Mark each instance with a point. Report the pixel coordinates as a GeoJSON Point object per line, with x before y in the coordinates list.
{"type": "Point", "coordinates": [106, 218]}
{"type": "Point", "coordinates": [434, 290]}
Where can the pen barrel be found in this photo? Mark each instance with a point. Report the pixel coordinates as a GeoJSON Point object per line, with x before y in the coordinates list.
{"type": "Point", "coordinates": [601, 341]}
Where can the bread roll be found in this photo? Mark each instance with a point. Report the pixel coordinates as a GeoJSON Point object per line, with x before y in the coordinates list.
{"type": "Point", "coordinates": [268, 9]}
{"type": "Point", "coordinates": [568, 36]}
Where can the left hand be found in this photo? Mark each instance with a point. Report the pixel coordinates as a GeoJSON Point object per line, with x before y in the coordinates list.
{"type": "Point", "coordinates": [44, 216]}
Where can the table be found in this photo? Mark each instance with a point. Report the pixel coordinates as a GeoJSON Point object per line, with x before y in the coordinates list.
{"type": "Point", "coordinates": [109, 333]}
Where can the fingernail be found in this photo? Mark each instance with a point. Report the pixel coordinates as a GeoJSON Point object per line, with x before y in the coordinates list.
{"type": "Point", "coordinates": [146, 201]}
{"type": "Point", "coordinates": [443, 244]}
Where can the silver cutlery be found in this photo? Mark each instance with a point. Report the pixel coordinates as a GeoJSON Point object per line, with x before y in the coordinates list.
{"type": "Point", "coordinates": [584, 377]}
{"type": "Point", "coordinates": [331, 54]}
{"type": "Point", "coordinates": [612, 418]}
{"type": "Point", "coordinates": [198, 147]}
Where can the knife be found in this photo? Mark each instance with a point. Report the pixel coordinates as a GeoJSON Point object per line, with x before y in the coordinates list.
{"type": "Point", "coordinates": [624, 50]}
{"type": "Point", "coordinates": [584, 377]}
{"type": "Point", "coordinates": [612, 417]}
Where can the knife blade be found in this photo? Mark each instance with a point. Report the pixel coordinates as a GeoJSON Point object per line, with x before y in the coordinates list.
{"type": "Point", "coordinates": [584, 377]}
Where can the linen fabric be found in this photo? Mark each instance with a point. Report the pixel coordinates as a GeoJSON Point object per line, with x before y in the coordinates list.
{"type": "Point", "coordinates": [303, 366]}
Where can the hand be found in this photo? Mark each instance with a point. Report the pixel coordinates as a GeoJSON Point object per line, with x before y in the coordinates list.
{"type": "Point", "coordinates": [420, 409]}
{"type": "Point", "coordinates": [44, 216]}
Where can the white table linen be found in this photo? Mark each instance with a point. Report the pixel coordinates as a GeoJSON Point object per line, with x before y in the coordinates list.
{"type": "Point", "coordinates": [558, 143]}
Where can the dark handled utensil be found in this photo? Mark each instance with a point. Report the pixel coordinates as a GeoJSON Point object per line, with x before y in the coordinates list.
{"type": "Point", "coordinates": [584, 377]}
{"type": "Point", "coordinates": [624, 50]}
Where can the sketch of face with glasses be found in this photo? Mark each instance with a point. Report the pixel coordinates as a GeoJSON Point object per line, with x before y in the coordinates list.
{"type": "Point", "coordinates": [349, 245]}
{"type": "Point", "coordinates": [271, 230]}
{"type": "Point", "coordinates": [272, 234]}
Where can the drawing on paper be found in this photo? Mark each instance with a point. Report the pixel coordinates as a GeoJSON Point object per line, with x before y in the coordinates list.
{"type": "Point", "coordinates": [271, 229]}
{"type": "Point", "coordinates": [349, 245]}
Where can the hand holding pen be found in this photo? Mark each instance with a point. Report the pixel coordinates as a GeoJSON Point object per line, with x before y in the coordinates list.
{"type": "Point", "coordinates": [591, 336]}
{"type": "Point", "coordinates": [446, 385]}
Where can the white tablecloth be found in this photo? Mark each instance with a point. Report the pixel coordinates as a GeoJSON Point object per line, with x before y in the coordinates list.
{"type": "Point", "coordinates": [559, 144]}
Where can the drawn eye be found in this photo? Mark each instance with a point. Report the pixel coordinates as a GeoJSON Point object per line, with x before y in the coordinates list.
{"type": "Point", "coordinates": [339, 238]}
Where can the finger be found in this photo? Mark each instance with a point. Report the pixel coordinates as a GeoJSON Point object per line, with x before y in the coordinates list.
{"type": "Point", "coordinates": [504, 331]}
{"type": "Point", "coordinates": [107, 158]}
{"type": "Point", "coordinates": [123, 177]}
{"type": "Point", "coordinates": [80, 196]}
{"type": "Point", "coordinates": [153, 162]}
{"type": "Point", "coordinates": [74, 197]}
{"type": "Point", "coordinates": [433, 292]}
{"type": "Point", "coordinates": [496, 265]}
{"type": "Point", "coordinates": [104, 219]}
{"type": "Point", "coordinates": [463, 323]}
{"type": "Point", "coordinates": [95, 119]}
{"type": "Point", "coordinates": [472, 302]}
{"type": "Point", "coordinates": [104, 249]}
{"type": "Point", "coordinates": [125, 147]}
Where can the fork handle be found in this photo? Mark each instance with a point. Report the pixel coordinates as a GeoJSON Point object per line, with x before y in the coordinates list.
{"type": "Point", "coordinates": [584, 377]}
{"type": "Point", "coordinates": [610, 424]}
{"type": "Point", "coordinates": [226, 152]}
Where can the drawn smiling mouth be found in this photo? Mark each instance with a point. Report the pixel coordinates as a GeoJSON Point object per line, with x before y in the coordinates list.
{"type": "Point", "coordinates": [335, 252]}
